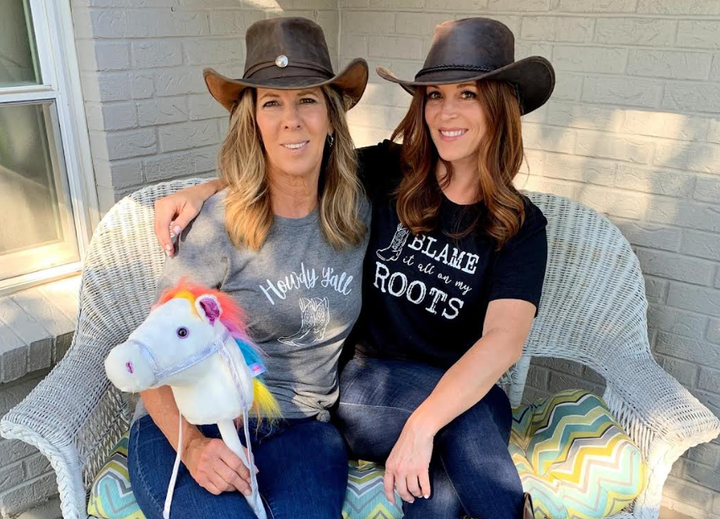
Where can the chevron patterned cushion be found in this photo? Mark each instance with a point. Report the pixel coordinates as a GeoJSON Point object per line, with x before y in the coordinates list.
{"type": "Point", "coordinates": [365, 498]}
{"type": "Point", "coordinates": [111, 495]}
{"type": "Point", "coordinates": [572, 457]}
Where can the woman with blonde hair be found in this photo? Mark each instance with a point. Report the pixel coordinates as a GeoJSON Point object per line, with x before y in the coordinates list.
{"type": "Point", "coordinates": [452, 279]}
{"type": "Point", "coordinates": [290, 223]}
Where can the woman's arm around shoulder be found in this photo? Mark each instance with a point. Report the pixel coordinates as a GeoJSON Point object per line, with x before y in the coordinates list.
{"type": "Point", "coordinates": [174, 212]}
{"type": "Point", "coordinates": [203, 250]}
{"type": "Point", "coordinates": [379, 167]}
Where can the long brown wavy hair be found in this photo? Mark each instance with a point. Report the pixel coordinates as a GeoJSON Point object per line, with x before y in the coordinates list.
{"type": "Point", "coordinates": [500, 156]}
{"type": "Point", "coordinates": [241, 161]}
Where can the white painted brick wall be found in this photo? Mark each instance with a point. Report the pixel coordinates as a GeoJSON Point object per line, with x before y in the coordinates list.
{"type": "Point", "coordinates": [669, 64]}
{"type": "Point", "coordinates": [632, 130]}
{"type": "Point", "coordinates": [157, 53]}
{"type": "Point", "coordinates": [141, 63]}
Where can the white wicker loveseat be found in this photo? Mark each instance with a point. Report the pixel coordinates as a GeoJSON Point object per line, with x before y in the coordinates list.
{"type": "Point", "coordinates": [593, 312]}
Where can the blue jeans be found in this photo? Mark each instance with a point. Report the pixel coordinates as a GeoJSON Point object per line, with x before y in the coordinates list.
{"type": "Point", "coordinates": [471, 471]}
{"type": "Point", "coordinates": [302, 463]}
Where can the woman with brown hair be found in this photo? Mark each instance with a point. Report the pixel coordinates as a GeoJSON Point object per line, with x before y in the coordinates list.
{"type": "Point", "coordinates": [452, 279]}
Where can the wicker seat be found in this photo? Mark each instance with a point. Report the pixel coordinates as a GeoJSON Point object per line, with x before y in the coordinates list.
{"type": "Point", "coordinates": [593, 311]}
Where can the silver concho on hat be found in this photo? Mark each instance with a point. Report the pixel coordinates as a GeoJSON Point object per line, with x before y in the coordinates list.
{"type": "Point", "coordinates": [281, 61]}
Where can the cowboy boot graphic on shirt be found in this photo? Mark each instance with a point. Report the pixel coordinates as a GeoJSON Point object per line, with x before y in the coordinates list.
{"type": "Point", "coordinates": [315, 316]}
{"type": "Point", "coordinates": [320, 320]}
{"type": "Point", "coordinates": [307, 316]}
{"type": "Point", "coordinates": [322, 317]}
{"type": "Point", "coordinates": [392, 251]}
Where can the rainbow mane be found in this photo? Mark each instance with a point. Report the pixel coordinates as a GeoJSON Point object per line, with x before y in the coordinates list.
{"type": "Point", "coordinates": [233, 318]}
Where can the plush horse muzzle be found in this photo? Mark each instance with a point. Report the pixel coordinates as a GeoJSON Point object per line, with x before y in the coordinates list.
{"type": "Point", "coordinates": [128, 369]}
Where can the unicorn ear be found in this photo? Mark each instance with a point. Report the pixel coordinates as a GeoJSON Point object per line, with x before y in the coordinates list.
{"type": "Point", "coordinates": [209, 308]}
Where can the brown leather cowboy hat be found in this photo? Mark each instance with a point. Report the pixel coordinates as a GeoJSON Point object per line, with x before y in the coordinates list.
{"type": "Point", "coordinates": [479, 48]}
{"type": "Point", "coordinates": [287, 54]}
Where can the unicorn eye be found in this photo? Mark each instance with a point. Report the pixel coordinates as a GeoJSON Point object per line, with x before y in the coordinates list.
{"type": "Point", "coordinates": [182, 332]}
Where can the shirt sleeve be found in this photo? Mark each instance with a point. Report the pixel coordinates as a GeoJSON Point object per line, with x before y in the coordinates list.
{"type": "Point", "coordinates": [520, 265]}
{"type": "Point", "coordinates": [201, 255]}
{"type": "Point", "coordinates": [379, 167]}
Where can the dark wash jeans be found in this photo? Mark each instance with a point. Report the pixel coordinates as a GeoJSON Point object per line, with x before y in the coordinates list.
{"type": "Point", "coordinates": [302, 463]}
{"type": "Point", "coordinates": [471, 471]}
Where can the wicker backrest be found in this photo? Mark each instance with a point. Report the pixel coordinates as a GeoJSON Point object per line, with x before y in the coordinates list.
{"type": "Point", "coordinates": [593, 308]}
{"type": "Point", "coordinates": [593, 303]}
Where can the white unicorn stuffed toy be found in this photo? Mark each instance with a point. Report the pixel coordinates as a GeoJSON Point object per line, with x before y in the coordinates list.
{"type": "Point", "coordinates": [194, 341]}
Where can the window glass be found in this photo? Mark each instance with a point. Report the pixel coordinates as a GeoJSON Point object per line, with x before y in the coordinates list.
{"type": "Point", "coordinates": [38, 232]}
{"type": "Point", "coordinates": [18, 56]}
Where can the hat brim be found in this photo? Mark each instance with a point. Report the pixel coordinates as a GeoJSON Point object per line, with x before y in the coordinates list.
{"type": "Point", "coordinates": [351, 82]}
{"type": "Point", "coordinates": [534, 77]}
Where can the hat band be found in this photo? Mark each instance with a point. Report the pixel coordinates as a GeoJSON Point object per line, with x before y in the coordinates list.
{"type": "Point", "coordinates": [440, 68]}
{"type": "Point", "coordinates": [294, 63]}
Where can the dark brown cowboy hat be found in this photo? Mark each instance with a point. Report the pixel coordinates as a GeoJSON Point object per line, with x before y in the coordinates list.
{"type": "Point", "coordinates": [287, 54]}
{"type": "Point", "coordinates": [479, 48]}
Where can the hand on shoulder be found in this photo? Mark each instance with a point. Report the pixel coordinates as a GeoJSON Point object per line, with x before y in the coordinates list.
{"type": "Point", "coordinates": [174, 212]}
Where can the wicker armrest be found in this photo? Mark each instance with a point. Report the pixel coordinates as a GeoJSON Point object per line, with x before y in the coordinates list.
{"type": "Point", "coordinates": [649, 395]}
{"type": "Point", "coordinates": [73, 416]}
{"type": "Point", "coordinates": [57, 408]}
{"type": "Point", "coordinates": [52, 416]}
{"type": "Point", "coordinates": [663, 419]}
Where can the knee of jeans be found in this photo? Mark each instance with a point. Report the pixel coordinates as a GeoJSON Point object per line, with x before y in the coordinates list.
{"type": "Point", "coordinates": [476, 421]}
{"type": "Point", "coordinates": [371, 431]}
{"type": "Point", "coordinates": [351, 425]}
{"type": "Point", "coordinates": [327, 441]}
{"type": "Point", "coordinates": [334, 442]}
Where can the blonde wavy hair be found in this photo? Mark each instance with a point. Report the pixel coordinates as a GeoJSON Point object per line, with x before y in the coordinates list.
{"type": "Point", "coordinates": [242, 164]}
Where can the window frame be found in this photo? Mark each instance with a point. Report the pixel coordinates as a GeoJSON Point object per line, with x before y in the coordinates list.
{"type": "Point", "coordinates": [60, 74]}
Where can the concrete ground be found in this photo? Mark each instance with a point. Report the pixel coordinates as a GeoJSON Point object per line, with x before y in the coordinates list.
{"type": "Point", "coordinates": [666, 513]}
{"type": "Point", "coordinates": [49, 510]}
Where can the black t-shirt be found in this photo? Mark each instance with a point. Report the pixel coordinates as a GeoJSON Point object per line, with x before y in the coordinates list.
{"type": "Point", "coordinates": [425, 297]}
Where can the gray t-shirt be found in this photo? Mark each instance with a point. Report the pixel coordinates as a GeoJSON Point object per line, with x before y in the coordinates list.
{"type": "Point", "coordinates": [301, 297]}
